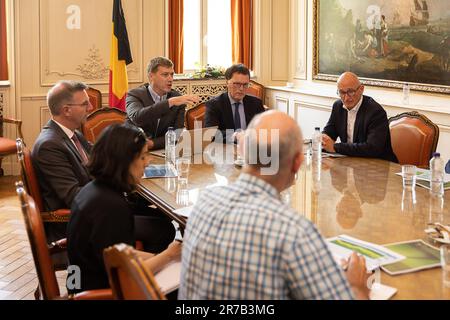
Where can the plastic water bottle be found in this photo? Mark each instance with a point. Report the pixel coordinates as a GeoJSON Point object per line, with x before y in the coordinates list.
{"type": "Point", "coordinates": [437, 175]}
{"type": "Point", "coordinates": [171, 139]}
{"type": "Point", "coordinates": [406, 91]}
{"type": "Point", "coordinates": [317, 144]}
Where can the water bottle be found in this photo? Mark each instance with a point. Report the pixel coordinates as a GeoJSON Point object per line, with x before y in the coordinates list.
{"type": "Point", "coordinates": [406, 94]}
{"type": "Point", "coordinates": [171, 139]}
{"type": "Point", "coordinates": [437, 175]}
{"type": "Point", "coordinates": [317, 144]}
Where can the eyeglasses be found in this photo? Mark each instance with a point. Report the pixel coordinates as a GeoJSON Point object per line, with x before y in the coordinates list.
{"type": "Point", "coordinates": [238, 85]}
{"type": "Point", "coordinates": [84, 104]}
{"type": "Point", "coordinates": [350, 92]}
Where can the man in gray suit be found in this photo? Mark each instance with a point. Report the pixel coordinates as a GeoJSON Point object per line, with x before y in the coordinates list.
{"type": "Point", "coordinates": [61, 152]}
{"type": "Point", "coordinates": [155, 106]}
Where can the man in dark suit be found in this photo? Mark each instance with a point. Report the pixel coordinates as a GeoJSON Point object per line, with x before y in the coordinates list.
{"type": "Point", "coordinates": [233, 110]}
{"type": "Point", "coordinates": [155, 106]}
{"type": "Point", "coordinates": [60, 155]}
{"type": "Point", "coordinates": [360, 123]}
{"type": "Point", "coordinates": [61, 152]}
{"type": "Point", "coordinates": [447, 167]}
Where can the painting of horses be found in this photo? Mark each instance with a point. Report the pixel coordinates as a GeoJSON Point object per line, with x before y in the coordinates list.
{"type": "Point", "coordinates": [385, 42]}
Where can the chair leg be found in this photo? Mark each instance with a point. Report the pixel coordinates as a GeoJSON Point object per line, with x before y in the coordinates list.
{"type": "Point", "coordinates": [37, 293]}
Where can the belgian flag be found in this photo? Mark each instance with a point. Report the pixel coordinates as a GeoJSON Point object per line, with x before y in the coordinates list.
{"type": "Point", "coordinates": [120, 58]}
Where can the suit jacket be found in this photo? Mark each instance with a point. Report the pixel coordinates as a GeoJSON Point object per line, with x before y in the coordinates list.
{"type": "Point", "coordinates": [100, 217]}
{"type": "Point", "coordinates": [59, 166]}
{"type": "Point", "coordinates": [219, 112]}
{"type": "Point", "coordinates": [447, 167]}
{"type": "Point", "coordinates": [153, 118]}
{"type": "Point", "coordinates": [371, 136]}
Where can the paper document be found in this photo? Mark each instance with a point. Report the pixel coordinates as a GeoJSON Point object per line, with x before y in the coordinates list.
{"type": "Point", "coordinates": [424, 174]}
{"type": "Point", "coordinates": [159, 153]}
{"type": "Point", "coordinates": [160, 171]}
{"type": "Point", "coordinates": [423, 178]}
{"type": "Point", "coordinates": [185, 211]}
{"type": "Point", "coordinates": [168, 278]}
{"type": "Point", "coordinates": [343, 246]}
{"type": "Point", "coordinates": [381, 292]}
{"type": "Point", "coordinates": [332, 155]}
{"type": "Point", "coordinates": [419, 255]}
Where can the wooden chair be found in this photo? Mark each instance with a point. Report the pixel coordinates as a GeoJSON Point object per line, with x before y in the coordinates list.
{"type": "Point", "coordinates": [48, 284]}
{"type": "Point", "coordinates": [257, 90]}
{"type": "Point", "coordinates": [32, 185]}
{"type": "Point", "coordinates": [99, 120]}
{"type": "Point", "coordinates": [95, 98]}
{"type": "Point", "coordinates": [128, 277]}
{"type": "Point", "coordinates": [414, 138]}
{"type": "Point", "coordinates": [8, 146]}
{"type": "Point", "coordinates": [195, 116]}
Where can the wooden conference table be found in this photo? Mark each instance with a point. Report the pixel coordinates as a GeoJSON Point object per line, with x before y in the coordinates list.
{"type": "Point", "coordinates": [358, 197]}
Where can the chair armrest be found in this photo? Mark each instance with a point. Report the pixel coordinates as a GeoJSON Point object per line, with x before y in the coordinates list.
{"type": "Point", "coordinates": [18, 123]}
{"type": "Point", "coordinates": [60, 215]}
{"type": "Point", "coordinates": [58, 246]}
{"type": "Point", "coordinates": [99, 294]}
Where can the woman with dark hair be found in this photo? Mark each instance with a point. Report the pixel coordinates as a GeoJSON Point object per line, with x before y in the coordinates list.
{"type": "Point", "coordinates": [102, 214]}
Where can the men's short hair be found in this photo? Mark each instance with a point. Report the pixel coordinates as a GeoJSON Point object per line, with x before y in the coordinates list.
{"type": "Point", "coordinates": [61, 93]}
{"type": "Point", "coordinates": [153, 65]}
{"type": "Point", "coordinates": [236, 68]}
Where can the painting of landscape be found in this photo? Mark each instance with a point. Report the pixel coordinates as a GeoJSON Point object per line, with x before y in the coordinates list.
{"type": "Point", "coordinates": [384, 41]}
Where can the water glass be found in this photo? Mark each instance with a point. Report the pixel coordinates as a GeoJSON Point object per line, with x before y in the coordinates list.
{"type": "Point", "coordinates": [445, 263]}
{"type": "Point", "coordinates": [182, 193]}
{"type": "Point", "coordinates": [409, 175]}
{"type": "Point", "coordinates": [406, 91]}
{"type": "Point", "coordinates": [183, 165]}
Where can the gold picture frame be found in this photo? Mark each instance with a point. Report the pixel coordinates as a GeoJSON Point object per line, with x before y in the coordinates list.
{"type": "Point", "coordinates": [383, 48]}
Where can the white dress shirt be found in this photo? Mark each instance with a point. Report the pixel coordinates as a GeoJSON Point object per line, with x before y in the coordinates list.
{"type": "Point", "coordinates": [351, 118]}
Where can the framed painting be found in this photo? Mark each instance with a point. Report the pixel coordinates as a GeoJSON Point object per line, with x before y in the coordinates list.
{"type": "Point", "coordinates": [385, 42]}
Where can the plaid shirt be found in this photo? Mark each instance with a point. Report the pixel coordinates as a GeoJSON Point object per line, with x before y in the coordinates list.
{"type": "Point", "coordinates": [242, 242]}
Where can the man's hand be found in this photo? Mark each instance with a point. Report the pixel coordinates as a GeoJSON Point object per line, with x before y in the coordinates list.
{"type": "Point", "coordinates": [174, 250]}
{"type": "Point", "coordinates": [150, 144]}
{"type": "Point", "coordinates": [357, 276]}
{"type": "Point", "coordinates": [327, 143]}
{"type": "Point", "coordinates": [186, 99]}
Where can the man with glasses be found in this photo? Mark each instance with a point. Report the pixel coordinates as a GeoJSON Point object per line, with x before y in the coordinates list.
{"type": "Point", "coordinates": [61, 152]}
{"type": "Point", "coordinates": [155, 106]}
{"type": "Point", "coordinates": [233, 110]}
{"type": "Point", "coordinates": [60, 155]}
{"type": "Point", "coordinates": [360, 123]}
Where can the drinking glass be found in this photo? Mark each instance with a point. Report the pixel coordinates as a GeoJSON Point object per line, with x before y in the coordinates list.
{"type": "Point", "coordinates": [183, 165]}
{"type": "Point", "coordinates": [409, 176]}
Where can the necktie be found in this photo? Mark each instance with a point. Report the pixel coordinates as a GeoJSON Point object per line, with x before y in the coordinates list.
{"type": "Point", "coordinates": [237, 117]}
{"type": "Point", "coordinates": [80, 148]}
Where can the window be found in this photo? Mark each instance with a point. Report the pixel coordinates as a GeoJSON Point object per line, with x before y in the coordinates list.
{"type": "Point", "coordinates": [207, 33]}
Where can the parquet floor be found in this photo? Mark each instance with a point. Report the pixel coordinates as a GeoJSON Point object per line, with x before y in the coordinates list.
{"type": "Point", "coordinates": [18, 279]}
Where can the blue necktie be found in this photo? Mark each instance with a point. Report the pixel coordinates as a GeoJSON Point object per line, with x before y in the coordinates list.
{"type": "Point", "coordinates": [237, 118]}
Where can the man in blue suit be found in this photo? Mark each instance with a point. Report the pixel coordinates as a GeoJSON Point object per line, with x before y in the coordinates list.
{"type": "Point", "coordinates": [447, 167]}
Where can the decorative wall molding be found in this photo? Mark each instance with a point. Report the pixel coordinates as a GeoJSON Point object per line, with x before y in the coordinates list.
{"type": "Point", "coordinates": [204, 89]}
{"type": "Point", "coordinates": [301, 38]}
{"type": "Point", "coordinates": [2, 101]}
{"type": "Point", "coordinates": [61, 59]}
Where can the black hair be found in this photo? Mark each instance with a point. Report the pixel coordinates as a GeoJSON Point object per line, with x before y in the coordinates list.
{"type": "Point", "coordinates": [117, 147]}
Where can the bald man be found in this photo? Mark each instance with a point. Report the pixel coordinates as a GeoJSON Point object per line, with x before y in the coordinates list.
{"type": "Point", "coordinates": [242, 242]}
{"type": "Point", "coordinates": [360, 123]}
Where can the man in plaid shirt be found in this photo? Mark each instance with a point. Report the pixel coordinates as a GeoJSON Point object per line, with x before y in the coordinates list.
{"type": "Point", "coordinates": [242, 242]}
